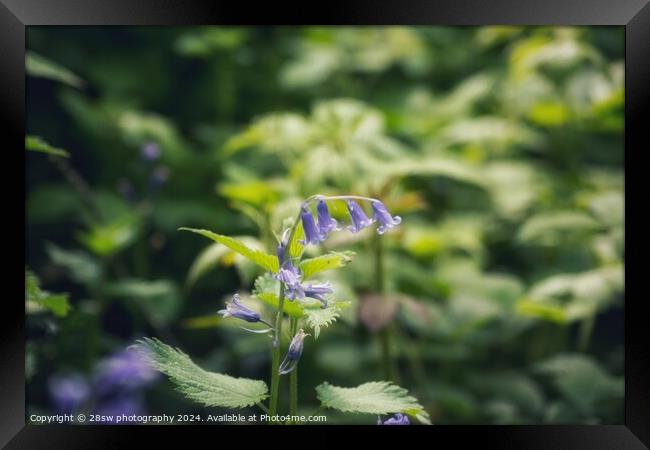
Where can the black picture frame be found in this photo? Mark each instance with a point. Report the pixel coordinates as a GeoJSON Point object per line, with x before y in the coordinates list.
{"type": "Point", "coordinates": [634, 15]}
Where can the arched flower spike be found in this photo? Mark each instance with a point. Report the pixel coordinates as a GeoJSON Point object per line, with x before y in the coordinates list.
{"type": "Point", "coordinates": [312, 235]}
{"type": "Point", "coordinates": [397, 419]}
{"type": "Point", "coordinates": [358, 217]}
{"type": "Point", "coordinates": [290, 361]}
{"type": "Point", "coordinates": [326, 224]}
{"type": "Point", "coordinates": [235, 308]}
{"type": "Point", "coordinates": [381, 215]}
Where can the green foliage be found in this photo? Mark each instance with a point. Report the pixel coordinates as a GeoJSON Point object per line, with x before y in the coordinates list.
{"type": "Point", "coordinates": [207, 388]}
{"type": "Point", "coordinates": [159, 300]}
{"type": "Point", "coordinates": [37, 299]}
{"type": "Point", "coordinates": [264, 260]}
{"type": "Point", "coordinates": [376, 397]}
{"type": "Point", "coordinates": [334, 260]}
{"type": "Point", "coordinates": [82, 267]}
{"type": "Point", "coordinates": [36, 144]}
{"type": "Point", "coordinates": [320, 318]}
{"type": "Point", "coordinates": [38, 66]}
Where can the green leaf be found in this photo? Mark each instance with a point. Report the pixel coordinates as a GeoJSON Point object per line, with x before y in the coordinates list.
{"type": "Point", "coordinates": [207, 259]}
{"type": "Point", "coordinates": [582, 381]}
{"type": "Point", "coordinates": [551, 227]}
{"type": "Point", "coordinates": [376, 397]}
{"type": "Point", "coordinates": [158, 299]}
{"type": "Point", "coordinates": [317, 318]}
{"type": "Point", "coordinates": [333, 260]}
{"type": "Point", "coordinates": [292, 308]}
{"type": "Point", "coordinates": [207, 388]}
{"type": "Point", "coordinates": [38, 66]}
{"type": "Point", "coordinates": [36, 144]}
{"type": "Point", "coordinates": [295, 247]}
{"type": "Point", "coordinates": [264, 260]}
{"type": "Point", "coordinates": [38, 300]}
{"type": "Point", "coordinates": [83, 268]}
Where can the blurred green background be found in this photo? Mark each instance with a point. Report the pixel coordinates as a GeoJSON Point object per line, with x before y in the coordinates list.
{"type": "Point", "coordinates": [500, 147]}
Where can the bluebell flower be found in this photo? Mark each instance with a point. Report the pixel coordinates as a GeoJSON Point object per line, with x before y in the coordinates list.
{"type": "Point", "coordinates": [312, 234]}
{"type": "Point", "coordinates": [68, 392]}
{"type": "Point", "coordinates": [319, 291]}
{"type": "Point", "coordinates": [234, 308]}
{"type": "Point", "coordinates": [123, 371]}
{"type": "Point", "coordinates": [290, 276]}
{"type": "Point", "coordinates": [293, 354]}
{"type": "Point", "coordinates": [381, 215]}
{"type": "Point", "coordinates": [397, 419]}
{"type": "Point", "coordinates": [150, 151]}
{"type": "Point", "coordinates": [326, 224]}
{"type": "Point", "coordinates": [359, 218]}
{"type": "Point", "coordinates": [282, 246]}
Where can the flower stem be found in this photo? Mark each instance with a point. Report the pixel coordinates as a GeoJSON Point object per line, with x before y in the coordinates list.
{"type": "Point", "coordinates": [293, 378]}
{"type": "Point", "coordinates": [385, 336]}
{"type": "Point", "coordinates": [275, 356]}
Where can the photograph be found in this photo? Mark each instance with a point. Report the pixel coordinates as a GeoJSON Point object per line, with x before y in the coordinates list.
{"type": "Point", "coordinates": [325, 225]}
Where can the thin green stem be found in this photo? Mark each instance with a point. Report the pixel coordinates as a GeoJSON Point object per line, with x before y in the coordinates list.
{"type": "Point", "coordinates": [275, 357]}
{"type": "Point", "coordinates": [262, 407]}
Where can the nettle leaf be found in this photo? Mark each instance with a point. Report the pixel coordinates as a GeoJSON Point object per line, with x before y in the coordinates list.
{"type": "Point", "coordinates": [375, 397]}
{"type": "Point", "coordinates": [317, 318]}
{"type": "Point", "coordinates": [36, 144]}
{"type": "Point", "coordinates": [207, 388]}
{"type": "Point", "coordinates": [333, 260]}
{"type": "Point", "coordinates": [264, 260]}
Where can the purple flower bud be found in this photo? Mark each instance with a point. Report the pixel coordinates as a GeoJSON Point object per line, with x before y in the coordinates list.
{"type": "Point", "coordinates": [150, 151]}
{"type": "Point", "coordinates": [319, 291]}
{"type": "Point", "coordinates": [358, 217]}
{"type": "Point", "coordinates": [397, 419]}
{"type": "Point", "coordinates": [326, 223]}
{"type": "Point", "coordinates": [381, 215]}
{"type": "Point", "coordinates": [282, 246]}
{"type": "Point", "coordinates": [293, 354]}
{"type": "Point", "coordinates": [68, 392]}
{"type": "Point", "coordinates": [234, 308]}
{"type": "Point", "coordinates": [312, 235]}
{"type": "Point", "coordinates": [126, 370]}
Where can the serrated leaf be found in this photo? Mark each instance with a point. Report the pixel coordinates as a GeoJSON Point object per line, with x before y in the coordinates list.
{"type": "Point", "coordinates": [36, 144]}
{"type": "Point", "coordinates": [375, 397]}
{"type": "Point", "coordinates": [317, 318]}
{"type": "Point", "coordinates": [333, 260]}
{"type": "Point", "coordinates": [207, 388]}
{"type": "Point", "coordinates": [264, 260]}
{"type": "Point", "coordinates": [38, 66]}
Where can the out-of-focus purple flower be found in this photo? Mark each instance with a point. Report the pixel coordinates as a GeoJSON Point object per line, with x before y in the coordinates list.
{"type": "Point", "coordinates": [359, 218]}
{"type": "Point", "coordinates": [397, 419]}
{"type": "Point", "coordinates": [159, 177]}
{"type": "Point", "coordinates": [326, 223]}
{"type": "Point", "coordinates": [68, 392]}
{"type": "Point", "coordinates": [381, 215]}
{"type": "Point", "coordinates": [234, 308]}
{"type": "Point", "coordinates": [293, 354]}
{"type": "Point", "coordinates": [116, 406]}
{"type": "Point", "coordinates": [319, 291]}
{"type": "Point", "coordinates": [290, 276]}
{"type": "Point", "coordinates": [126, 370]}
{"type": "Point", "coordinates": [150, 151]}
{"type": "Point", "coordinates": [312, 234]}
